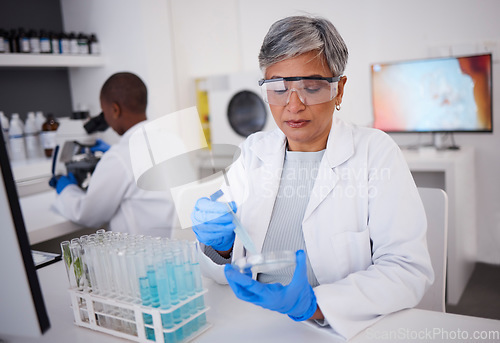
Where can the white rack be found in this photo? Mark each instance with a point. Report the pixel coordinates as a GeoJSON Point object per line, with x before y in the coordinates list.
{"type": "Point", "coordinates": [126, 320]}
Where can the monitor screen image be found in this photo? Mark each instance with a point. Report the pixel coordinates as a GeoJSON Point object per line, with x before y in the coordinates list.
{"type": "Point", "coordinates": [451, 94]}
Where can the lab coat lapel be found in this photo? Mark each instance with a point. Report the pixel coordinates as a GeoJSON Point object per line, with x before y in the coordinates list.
{"type": "Point", "coordinates": [339, 148]}
{"type": "Point", "coordinates": [271, 151]}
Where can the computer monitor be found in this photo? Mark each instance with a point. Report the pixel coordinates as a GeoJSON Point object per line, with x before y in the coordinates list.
{"type": "Point", "coordinates": [452, 94]}
{"type": "Point", "coordinates": [22, 308]}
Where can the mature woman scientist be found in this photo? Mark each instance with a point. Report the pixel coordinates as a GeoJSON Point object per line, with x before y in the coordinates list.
{"type": "Point", "coordinates": [341, 196]}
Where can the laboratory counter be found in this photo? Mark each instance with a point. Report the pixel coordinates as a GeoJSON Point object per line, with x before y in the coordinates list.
{"type": "Point", "coordinates": [41, 221]}
{"type": "Point", "coordinates": [237, 321]}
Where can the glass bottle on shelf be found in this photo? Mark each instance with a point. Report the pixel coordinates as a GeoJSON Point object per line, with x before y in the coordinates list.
{"type": "Point", "coordinates": [45, 47]}
{"type": "Point", "coordinates": [64, 44]}
{"type": "Point", "coordinates": [94, 46]}
{"type": "Point", "coordinates": [23, 42]}
{"type": "Point", "coordinates": [73, 43]}
{"type": "Point", "coordinates": [13, 42]}
{"type": "Point", "coordinates": [5, 130]}
{"type": "Point", "coordinates": [16, 138]}
{"type": "Point", "coordinates": [83, 44]}
{"type": "Point", "coordinates": [34, 40]}
{"type": "Point", "coordinates": [39, 120]}
{"type": "Point", "coordinates": [2, 41]}
{"type": "Point", "coordinates": [48, 134]}
{"type": "Point", "coordinates": [54, 43]}
{"type": "Point", "coordinates": [6, 42]}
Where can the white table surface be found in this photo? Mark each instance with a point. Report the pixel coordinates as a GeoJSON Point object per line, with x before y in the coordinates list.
{"type": "Point", "coordinates": [237, 321]}
{"type": "Point", "coordinates": [41, 221]}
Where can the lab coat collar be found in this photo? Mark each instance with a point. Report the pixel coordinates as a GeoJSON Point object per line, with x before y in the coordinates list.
{"type": "Point", "coordinates": [266, 148]}
{"type": "Point", "coordinates": [126, 136]}
{"type": "Point", "coordinates": [339, 147]}
{"type": "Point", "coordinates": [340, 144]}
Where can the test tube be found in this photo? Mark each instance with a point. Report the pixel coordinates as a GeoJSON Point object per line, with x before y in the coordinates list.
{"type": "Point", "coordinates": [89, 265]}
{"type": "Point", "coordinates": [163, 283]}
{"type": "Point", "coordinates": [76, 265]}
{"type": "Point", "coordinates": [116, 272]}
{"type": "Point", "coordinates": [130, 256]}
{"type": "Point", "coordinates": [198, 286]}
{"type": "Point", "coordinates": [180, 280]}
{"type": "Point", "coordinates": [190, 307]}
{"type": "Point", "coordinates": [172, 285]}
{"type": "Point", "coordinates": [150, 270]}
{"type": "Point", "coordinates": [99, 267]}
{"type": "Point", "coordinates": [144, 289]}
{"type": "Point", "coordinates": [107, 267]}
{"type": "Point", "coordinates": [68, 261]}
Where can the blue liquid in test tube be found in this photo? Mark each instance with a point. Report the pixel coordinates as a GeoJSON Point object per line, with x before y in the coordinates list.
{"type": "Point", "coordinates": [164, 296]}
{"type": "Point", "coordinates": [146, 301]}
{"type": "Point", "coordinates": [198, 303]}
{"type": "Point", "coordinates": [144, 291]}
{"type": "Point", "coordinates": [153, 287]}
{"type": "Point", "coordinates": [181, 290]}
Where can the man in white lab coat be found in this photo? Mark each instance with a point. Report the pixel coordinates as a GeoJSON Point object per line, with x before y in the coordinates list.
{"type": "Point", "coordinates": [341, 196]}
{"type": "Point", "coordinates": [113, 196]}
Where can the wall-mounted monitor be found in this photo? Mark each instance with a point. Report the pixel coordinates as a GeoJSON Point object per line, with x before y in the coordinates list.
{"type": "Point", "coordinates": [452, 94]}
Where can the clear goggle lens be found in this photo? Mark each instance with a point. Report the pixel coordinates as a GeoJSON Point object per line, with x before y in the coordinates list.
{"type": "Point", "coordinates": [311, 91]}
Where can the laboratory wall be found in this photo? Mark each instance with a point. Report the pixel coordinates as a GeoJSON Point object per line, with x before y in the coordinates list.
{"type": "Point", "coordinates": [206, 42]}
{"type": "Point", "coordinates": [134, 36]}
{"type": "Point", "coordinates": [225, 36]}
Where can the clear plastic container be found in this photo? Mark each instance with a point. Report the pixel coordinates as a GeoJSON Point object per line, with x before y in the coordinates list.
{"type": "Point", "coordinates": [266, 262]}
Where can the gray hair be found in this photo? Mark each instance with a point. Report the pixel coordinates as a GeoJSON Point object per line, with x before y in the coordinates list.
{"type": "Point", "coordinates": [296, 35]}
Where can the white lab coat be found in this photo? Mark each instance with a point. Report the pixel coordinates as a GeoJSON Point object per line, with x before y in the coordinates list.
{"type": "Point", "coordinates": [364, 226]}
{"type": "Point", "coordinates": [113, 197]}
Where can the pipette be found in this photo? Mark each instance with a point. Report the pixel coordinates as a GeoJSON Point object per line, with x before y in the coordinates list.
{"type": "Point", "coordinates": [239, 230]}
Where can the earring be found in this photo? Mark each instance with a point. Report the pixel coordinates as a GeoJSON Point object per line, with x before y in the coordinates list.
{"type": "Point", "coordinates": [337, 107]}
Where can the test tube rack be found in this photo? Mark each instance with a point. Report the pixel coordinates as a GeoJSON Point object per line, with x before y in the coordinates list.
{"type": "Point", "coordinates": [126, 320]}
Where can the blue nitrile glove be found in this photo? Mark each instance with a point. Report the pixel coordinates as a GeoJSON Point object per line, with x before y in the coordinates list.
{"type": "Point", "coordinates": [296, 299]}
{"type": "Point", "coordinates": [53, 181]}
{"type": "Point", "coordinates": [213, 224]}
{"type": "Point", "coordinates": [65, 181]}
{"type": "Point", "coordinates": [100, 145]}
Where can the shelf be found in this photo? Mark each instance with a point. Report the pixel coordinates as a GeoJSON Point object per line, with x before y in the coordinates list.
{"type": "Point", "coordinates": [49, 60]}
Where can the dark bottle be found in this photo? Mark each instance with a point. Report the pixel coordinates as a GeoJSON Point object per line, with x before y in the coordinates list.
{"type": "Point", "coordinates": [23, 41]}
{"type": "Point", "coordinates": [13, 42]}
{"type": "Point", "coordinates": [45, 47]}
{"type": "Point", "coordinates": [48, 134]}
{"type": "Point", "coordinates": [94, 47]}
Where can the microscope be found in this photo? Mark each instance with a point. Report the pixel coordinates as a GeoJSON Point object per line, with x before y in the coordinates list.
{"type": "Point", "coordinates": [75, 136]}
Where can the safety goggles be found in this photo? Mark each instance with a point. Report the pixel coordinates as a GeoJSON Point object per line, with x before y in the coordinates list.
{"type": "Point", "coordinates": [311, 90]}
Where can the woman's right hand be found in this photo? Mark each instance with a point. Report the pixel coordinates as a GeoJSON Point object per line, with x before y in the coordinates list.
{"type": "Point", "coordinates": [213, 224]}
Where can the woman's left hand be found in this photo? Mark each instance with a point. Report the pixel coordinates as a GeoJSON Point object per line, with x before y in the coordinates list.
{"type": "Point", "coordinates": [296, 299]}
